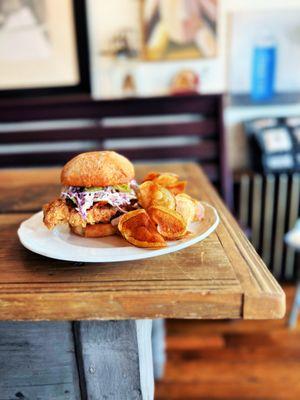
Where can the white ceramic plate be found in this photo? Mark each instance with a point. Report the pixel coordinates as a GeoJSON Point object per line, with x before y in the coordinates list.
{"type": "Point", "coordinates": [61, 244]}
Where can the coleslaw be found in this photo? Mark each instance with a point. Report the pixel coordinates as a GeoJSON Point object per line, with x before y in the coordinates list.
{"type": "Point", "coordinates": [117, 196]}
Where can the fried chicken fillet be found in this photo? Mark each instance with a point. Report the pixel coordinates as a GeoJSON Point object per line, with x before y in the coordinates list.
{"type": "Point", "coordinates": [58, 212]}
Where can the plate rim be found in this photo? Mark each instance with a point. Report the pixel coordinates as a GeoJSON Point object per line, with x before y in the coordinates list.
{"type": "Point", "coordinates": [149, 253]}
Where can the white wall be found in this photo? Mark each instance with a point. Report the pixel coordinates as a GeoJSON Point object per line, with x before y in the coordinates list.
{"type": "Point", "coordinates": [246, 27]}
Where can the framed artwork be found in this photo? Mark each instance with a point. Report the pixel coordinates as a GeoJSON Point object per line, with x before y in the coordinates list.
{"type": "Point", "coordinates": [179, 29]}
{"type": "Point", "coordinates": [43, 47]}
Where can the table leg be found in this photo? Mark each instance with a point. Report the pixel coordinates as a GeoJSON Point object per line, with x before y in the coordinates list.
{"type": "Point", "coordinates": [144, 331]}
{"type": "Point", "coordinates": [158, 347]}
{"type": "Point", "coordinates": [38, 361]}
{"type": "Point", "coordinates": [115, 359]}
{"type": "Point", "coordinates": [295, 308]}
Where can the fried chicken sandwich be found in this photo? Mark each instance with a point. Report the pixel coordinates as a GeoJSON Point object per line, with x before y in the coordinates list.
{"type": "Point", "coordinates": [98, 187]}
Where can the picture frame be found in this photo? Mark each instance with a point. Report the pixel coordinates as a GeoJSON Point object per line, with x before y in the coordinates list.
{"type": "Point", "coordinates": [116, 50]}
{"type": "Point", "coordinates": [57, 69]}
{"type": "Point", "coordinates": [180, 30]}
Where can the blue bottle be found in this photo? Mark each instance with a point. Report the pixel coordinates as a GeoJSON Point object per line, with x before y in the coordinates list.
{"type": "Point", "coordinates": [263, 68]}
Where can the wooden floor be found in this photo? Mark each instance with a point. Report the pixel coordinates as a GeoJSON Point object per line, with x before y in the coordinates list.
{"type": "Point", "coordinates": [232, 360]}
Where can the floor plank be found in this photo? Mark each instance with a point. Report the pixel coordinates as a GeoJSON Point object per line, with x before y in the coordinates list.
{"type": "Point", "coordinates": [232, 360]}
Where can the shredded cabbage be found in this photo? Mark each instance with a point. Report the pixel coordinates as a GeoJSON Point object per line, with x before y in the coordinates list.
{"type": "Point", "coordinates": [84, 198]}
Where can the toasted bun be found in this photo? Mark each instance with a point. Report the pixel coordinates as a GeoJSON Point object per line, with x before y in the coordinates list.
{"type": "Point", "coordinates": [97, 168]}
{"type": "Point", "coordinates": [96, 230]}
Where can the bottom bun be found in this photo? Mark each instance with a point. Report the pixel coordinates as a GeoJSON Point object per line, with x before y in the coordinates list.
{"type": "Point", "coordinates": [93, 231]}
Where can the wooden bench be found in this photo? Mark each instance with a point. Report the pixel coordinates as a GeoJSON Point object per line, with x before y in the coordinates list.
{"type": "Point", "coordinates": [194, 122]}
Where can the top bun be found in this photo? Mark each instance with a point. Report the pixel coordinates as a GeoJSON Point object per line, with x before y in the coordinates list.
{"type": "Point", "coordinates": [97, 168]}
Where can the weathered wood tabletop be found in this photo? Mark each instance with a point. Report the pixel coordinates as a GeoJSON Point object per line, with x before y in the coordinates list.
{"type": "Point", "coordinates": [221, 277]}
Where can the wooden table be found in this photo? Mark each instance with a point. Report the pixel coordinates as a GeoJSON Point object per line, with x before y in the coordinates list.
{"type": "Point", "coordinates": [221, 277]}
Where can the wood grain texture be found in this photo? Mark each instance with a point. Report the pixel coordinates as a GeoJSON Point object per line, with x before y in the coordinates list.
{"type": "Point", "coordinates": [221, 277]}
{"type": "Point", "coordinates": [263, 297]}
{"type": "Point", "coordinates": [232, 360]}
{"type": "Point", "coordinates": [37, 361]}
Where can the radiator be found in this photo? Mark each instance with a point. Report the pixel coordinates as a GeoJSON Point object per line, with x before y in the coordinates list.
{"type": "Point", "coordinates": [268, 206]}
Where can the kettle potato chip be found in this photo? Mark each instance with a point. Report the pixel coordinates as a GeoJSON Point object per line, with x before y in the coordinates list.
{"type": "Point", "coordinates": [138, 229]}
{"type": "Point", "coordinates": [198, 207]}
{"type": "Point", "coordinates": [167, 180]}
{"type": "Point", "coordinates": [170, 224]}
{"type": "Point", "coordinates": [162, 178]}
{"type": "Point", "coordinates": [199, 210]}
{"type": "Point", "coordinates": [177, 188]}
{"type": "Point", "coordinates": [152, 194]}
{"type": "Point", "coordinates": [151, 176]}
{"type": "Point", "coordinates": [186, 207]}
{"type": "Point", "coordinates": [165, 214]}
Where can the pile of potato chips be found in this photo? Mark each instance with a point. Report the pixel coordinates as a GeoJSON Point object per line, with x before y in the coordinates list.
{"type": "Point", "coordinates": [165, 212]}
